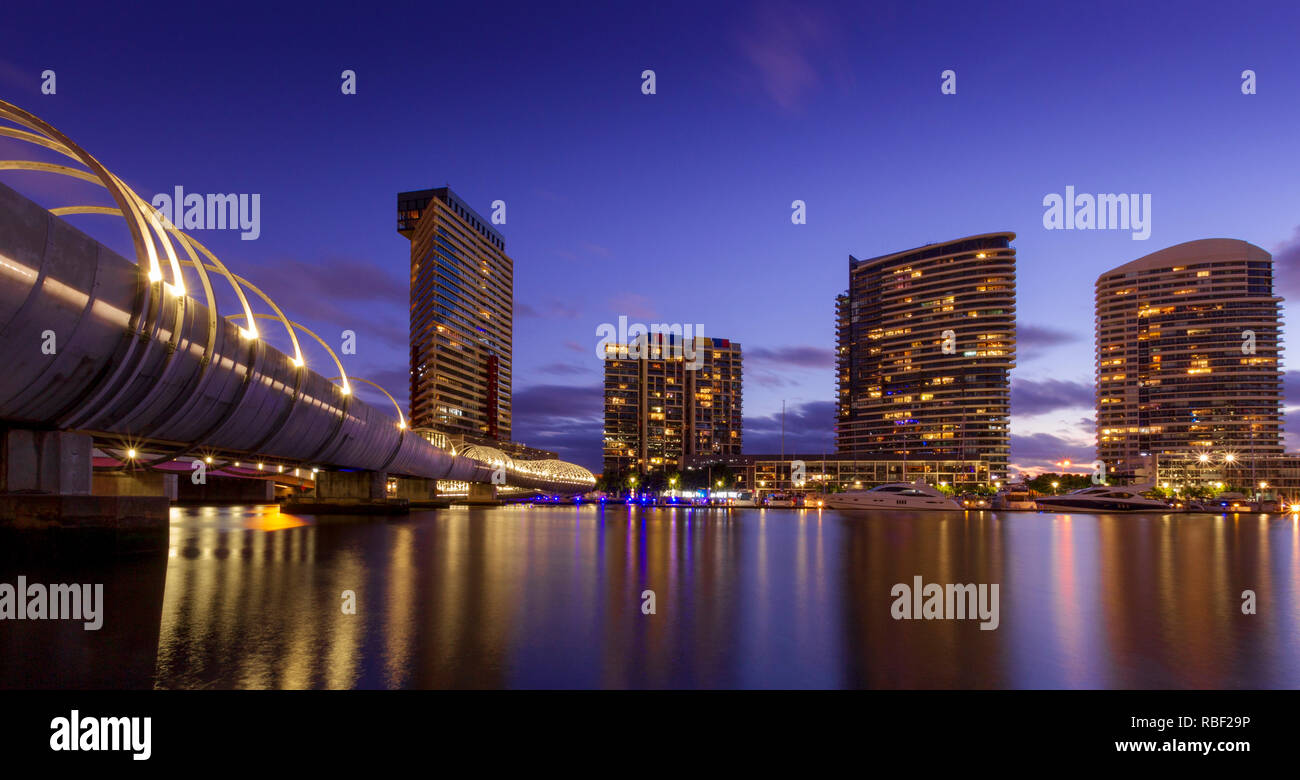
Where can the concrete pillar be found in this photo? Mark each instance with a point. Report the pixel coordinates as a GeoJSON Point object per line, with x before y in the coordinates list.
{"type": "Point", "coordinates": [52, 503]}
{"type": "Point", "coordinates": [482, 492]}
{"type": "Point", "coordinates": [46, 462]}
{"type": "Point", "coordinates": [135, 483]}
{"type": "Point", "coordinates": [371, 485]}
{"type": "Point", "coordinates": [416, 489]}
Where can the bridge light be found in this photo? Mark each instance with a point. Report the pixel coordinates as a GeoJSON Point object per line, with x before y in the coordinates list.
{"type": "Point", "coordinates": [315, 471]}
{"type": "Point", "coordinates": [297, 362]}
{"type": "Point", "coordinates": [281, 469]}
{"type": "Point", "coordinates": [208, 459]}
{"type": "Point", "coordinates": [259, 467]}
{"type": "Point", "coordinates": [130, 454]}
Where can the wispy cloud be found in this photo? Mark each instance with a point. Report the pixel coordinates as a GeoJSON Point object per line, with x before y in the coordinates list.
{"type": "Point", "coordinates": [634, 306]}
{"type": "Point", "coordinates": [567, 419]}
{"type": "Point", "coordinates": [1286, 264]}
{"type": "Point", "coordinates": [809, 429]}
{"type": "Point", "coordinates": [1033, 340]}
{"type": "Point", "coordinates": [1036, 397]}
{"type": "Point", "coordinates": [783, 43]}
{"type": "Point", "coordinates": [550, 310]}
{"type": "Point", "coordinates": [801, 356]}
{"type": "Point", "coordinates": [1035, 452]}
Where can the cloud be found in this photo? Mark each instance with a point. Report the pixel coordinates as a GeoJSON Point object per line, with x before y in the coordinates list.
{"type": "Point", "coordinates": [1033, 340]}
{"type": "Point", "coordinates": [596, 249]}
{"type": "Point", "coordinates": [781, 43]}
{"type": "Point", "coordinates": [809, 430]}
{"type": "Point", "coordinates": [567, 368]}
{"type": "Point", "coordinates": [634, 306]}
{"type": "Point", "coordinates": [1286, 265]}
{"type": "Point", "coordinates": [803, 356]}
{"type": "Point", "coordinates": [567, 419]}
{"type": "Point", "coordinates": [396, 382]}
{"type": "Point", "coordinates": [1042, 336]}
{"type": "Point", "coordinates": [1030, 397]}
{"type": "Point", "coordinates": [341, 293]}
{"type": "Point", "coordinates": [1041, 451]}
{"type": "Point", "coordinates": [553, 309]}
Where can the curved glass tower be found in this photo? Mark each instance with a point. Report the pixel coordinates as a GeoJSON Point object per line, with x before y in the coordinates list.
{"type": "Point", "coordinates": [926, 343]}
{"type": "Point", "coordinates": [1188, 350]}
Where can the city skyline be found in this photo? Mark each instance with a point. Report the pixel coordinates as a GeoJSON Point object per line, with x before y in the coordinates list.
{"type": "Point", "coordinates": [699, 216]}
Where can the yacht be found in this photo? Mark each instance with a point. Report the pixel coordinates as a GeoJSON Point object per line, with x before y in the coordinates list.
{"type": "Point", "coordinates": [779, 499]}
{"type": "Point", "coordinates": [1014, 498]}
{"type": "Point", "coordinates": [896, 495]}
{"type": "Point", "coordinates": [743, 498]}
{"type": "Point", "coordinates": [1104, 498]}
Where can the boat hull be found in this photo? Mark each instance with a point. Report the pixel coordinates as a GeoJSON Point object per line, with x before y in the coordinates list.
{"type": "Point", "coordinates": [892, 502]}
{"type": "Point", "coordinates": [1100, 506]}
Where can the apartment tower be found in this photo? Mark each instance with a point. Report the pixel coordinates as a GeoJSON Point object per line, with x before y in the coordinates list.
{"type": "Point", "coordinates": [660, 407]}
{"type": "Point", "coordinates": [926, 343]}
{"type": "Point", "coordinates": [462, 300]}
{"type": "Point", "coordinates": [1188, 360]}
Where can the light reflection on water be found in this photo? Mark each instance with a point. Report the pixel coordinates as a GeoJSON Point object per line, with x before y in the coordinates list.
{"type": "Point", "coordinates": [551, 597]}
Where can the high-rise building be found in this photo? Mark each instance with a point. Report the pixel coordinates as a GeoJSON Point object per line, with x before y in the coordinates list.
{"type": "Point", "coordinates": [926, 342]}
{"type": "Point", "coordinates": [661, 408]}
{"type": "Point", "coordinates": [1188, 354]}
{"type": "Point", "coordinates": [462, 313]}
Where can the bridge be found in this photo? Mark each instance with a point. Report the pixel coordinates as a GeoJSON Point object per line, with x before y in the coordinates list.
{"type": "Point", "coordinates": [109, 368]}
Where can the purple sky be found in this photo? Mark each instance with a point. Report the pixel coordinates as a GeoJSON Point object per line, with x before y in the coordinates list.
{"type": "Point", "coordinates": [675, 207]}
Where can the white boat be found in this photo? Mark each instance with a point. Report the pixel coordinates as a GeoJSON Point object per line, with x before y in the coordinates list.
{"type": "Point", "coordinates": [743, 498]}
{"type": "Point", "coordinates": [779, 499]}
{"type": "Point", "coordinates": [1014, 498]}
{"type": "Point", "coordinates": [1103, 498]}
{"type": "Point", "coordinates": [895, 495]}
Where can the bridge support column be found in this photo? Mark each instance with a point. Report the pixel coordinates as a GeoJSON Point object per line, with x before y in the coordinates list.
{"type": "Point", "coordinates": [349, 492]}
{"type": "Point", "coordinates": [52, 503]}
{"type": "Point", "coordinates": [352, 485]}
{"type": "Point", "coordinates": [417, 490]}
{"type": "Point", "coordinates": [482, 493]}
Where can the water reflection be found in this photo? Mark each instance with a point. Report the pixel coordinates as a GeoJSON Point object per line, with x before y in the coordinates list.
{"type": "Point", "coordinates": [516, 597]}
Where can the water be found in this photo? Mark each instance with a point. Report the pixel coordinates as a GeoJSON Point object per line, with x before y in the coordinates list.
{"type": "Point", "coordinates": [518, 597]}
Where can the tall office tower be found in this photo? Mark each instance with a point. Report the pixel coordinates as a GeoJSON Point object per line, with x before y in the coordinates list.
{"type": "Point", "coordinates": [658, 410]}
{"type": "Point", "coordinates": [1188, 359]}
{"type": "Point", "coordinates": [926, 341]}
{"type": "Point", "coordinates": [462, 312]}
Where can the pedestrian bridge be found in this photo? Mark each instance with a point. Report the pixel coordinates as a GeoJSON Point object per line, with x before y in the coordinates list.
{"type": "Point", "coordinates": [116, 348]}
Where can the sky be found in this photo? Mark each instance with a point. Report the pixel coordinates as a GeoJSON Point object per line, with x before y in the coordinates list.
{"type": "Point", "coordinates": [676, 206]}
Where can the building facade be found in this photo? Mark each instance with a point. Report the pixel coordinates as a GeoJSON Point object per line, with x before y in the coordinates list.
{"type": "Point", "coordinates": [660, 407]}
{"type": "Point", "coordinates": [926, 343]}
{"type": "Point", "coordinates": [462, 313]}
{"type": "Point", "coordinates": [1188, 362]}
{"type": "Point", "coordinates": [817, 473]}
